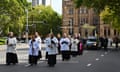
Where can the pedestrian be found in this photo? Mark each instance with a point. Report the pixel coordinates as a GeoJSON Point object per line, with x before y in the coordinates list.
{"type": "Point", "coordinates": [116, 40]}
{"type": "Point", "coordinates": [105, 43]}
{"type": "Point", "coordinates": [80, 48]}
{"type": "Point", "coordinates": [33, 51]}
{"type": "Point", "coordinates": [110, 42]}
{"type": "Point", "coordinates": [38, 39]}
{"type": "Point", "coordinates": [46, 41]}
{"type": "Point", "coordinates": [11, 56]}
{"type": "Point", "coordinates": [74, 46]}
{"type": "Point", "coordinates": [65, 47]}
{"type": "Point", "coordinates": [52, 45]}
{"type": "Point", "coordinates": [59, 37]}
{"type": "Point", "coordinates": [101, 41]}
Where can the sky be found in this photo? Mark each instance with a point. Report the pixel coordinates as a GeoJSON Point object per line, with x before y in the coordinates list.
{"type": "Point", "coordinates": [56, 5]}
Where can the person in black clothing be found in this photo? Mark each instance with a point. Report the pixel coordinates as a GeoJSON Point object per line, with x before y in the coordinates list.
{"type": "Point", "coordinates": [116, 40]}
{"type": "Point", "coordinates": [105, 43]}
{"type": "Point", "coordinates": [102, 41]}
{"type": "Point", "coordinates": [59, 37]}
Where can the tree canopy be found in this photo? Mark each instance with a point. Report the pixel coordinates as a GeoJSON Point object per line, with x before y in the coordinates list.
{"type": "Point", "coordinates": [45, 13]}
{"type": "Point", "coordinates": [13, 17]}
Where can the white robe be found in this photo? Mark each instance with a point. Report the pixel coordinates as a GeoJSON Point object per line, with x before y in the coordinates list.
{"type": "Point", "coordinates": [38, 39]}
{"type": "Point", "coordinates": [11, 45]}
{"type": "Point", "coordinates": [35, 46]}
{"type": "Point", "coordinates": [51, 48]}
{"type": "Point", "coordinates": [64, 47]}
{"type": "Point", "coordinates": [74, 46]}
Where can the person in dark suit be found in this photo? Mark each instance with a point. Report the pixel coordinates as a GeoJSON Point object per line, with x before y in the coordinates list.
{"type": "Point", "coordinates": [102, 41]}
{"type": "Point", "coordinates": [105, 43]}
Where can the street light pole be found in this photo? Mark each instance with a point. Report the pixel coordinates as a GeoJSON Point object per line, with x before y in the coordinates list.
{"type": "Point", "coordinates": [27, 26]}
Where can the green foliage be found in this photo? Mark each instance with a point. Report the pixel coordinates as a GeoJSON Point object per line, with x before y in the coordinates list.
{"type": "Point", "coordinates": [44, 13]}
{"type": "Point", "coordinates": [12, 15]}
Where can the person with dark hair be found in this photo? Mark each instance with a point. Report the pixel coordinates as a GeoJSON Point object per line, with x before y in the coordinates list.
{"type": "Point", "coordinates": [65, 47]}
{"type": "Point", "coordinates": [46, 41]}
{"type": "Point", "coordinates": [74, 46]}
{"type": "Point", "coordinates": [59, 37]}
{"type": "Point", "coordinates": [38, 39]}
{"type": "Point", "coordinates": [11, 56]}
{"type": "Point", "coordinates": [33, 51]}
{"type": "Point", "coordinates": [52, 44]}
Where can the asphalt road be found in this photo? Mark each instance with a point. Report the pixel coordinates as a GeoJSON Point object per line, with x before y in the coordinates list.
{"type": "Point", "coordinates": [90, 61]}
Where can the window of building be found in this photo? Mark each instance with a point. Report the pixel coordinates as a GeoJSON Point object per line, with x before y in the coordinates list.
{"type": "Point", "coordinates": [115, 32]}
{"type": "Point", "coordinates": [95, 21]}
{"type": "Point", "coordinates": [105, 32]}
{"type": "Point", "coordinates": [85, 10]}
{"type": "Point", "coordinates": [71, 21]}
{"type": "Point", "coordinates": [86, 21]}
{"type": "Point", "coordinates": [81, 11]}
{"type": "Point", "coordinates": [82, 21]}
{"type": "Point", "coordinates": [71, 11]}
{"type": "Point", "coordinates": [86, 33]}
{"type": "Point", "coordinates": [108, 32]}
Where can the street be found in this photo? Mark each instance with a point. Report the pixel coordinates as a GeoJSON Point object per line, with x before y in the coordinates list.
{"type": "Point", "coordinates": [90, 61]}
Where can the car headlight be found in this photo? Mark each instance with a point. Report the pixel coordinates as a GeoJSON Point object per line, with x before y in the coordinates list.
{"type": "Point", "coordinates": [94, 44]}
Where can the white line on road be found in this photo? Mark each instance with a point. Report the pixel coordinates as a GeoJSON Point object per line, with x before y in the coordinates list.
{"type": "Point", "coordinates": [106, 52]}
{"type": "Point", "coordinates": [97, 59]}
{"type": "Point", "coordinates": [102, 55]}
{"type": "Point", "coordinates": [68, 62]}
{"type": "Point", "coordinates": [88, 65]}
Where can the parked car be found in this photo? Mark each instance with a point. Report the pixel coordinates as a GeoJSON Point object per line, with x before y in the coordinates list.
{"type": "Point", "coordinates": [93, 43]}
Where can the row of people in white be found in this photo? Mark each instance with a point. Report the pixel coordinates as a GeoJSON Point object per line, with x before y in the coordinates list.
{"type": "Point", "coordinates": [51, 48]}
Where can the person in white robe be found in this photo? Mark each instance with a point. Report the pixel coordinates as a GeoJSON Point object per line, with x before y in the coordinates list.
{"type": "Point", "coordinates": [52, 44]}
{"type": "Point", "coordinates": [74, 46]}
{"type": "Point", "coordinates": [33, 51]}
{"type": "Point", "coordinates": [11, 56]}
{"type": "Point", "coordinates": [38, 39]}
{"type": "Point", "coordinates": [65, 47]}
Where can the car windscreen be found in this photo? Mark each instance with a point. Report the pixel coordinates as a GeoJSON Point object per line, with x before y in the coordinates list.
{"type": "Point", "coordinates": [93, 40]}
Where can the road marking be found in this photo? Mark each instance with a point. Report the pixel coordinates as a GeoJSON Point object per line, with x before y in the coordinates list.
{"type": "Point", "coordinates": [97, 59]}
{"type": "Point", "coordinates": [67, 61]}
{"type": "Point", "coordinates": [27, 65]}
{"type": "Point", "coordinates": [102, 55]}
{"type": "Point", "coordinates": [106, 52]}
{"type": "Point", "coordinates": [85, 51]}
{"type": "Point", "coordinates": [88, 65]}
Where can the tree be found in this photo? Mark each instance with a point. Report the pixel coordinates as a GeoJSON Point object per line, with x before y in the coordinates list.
{"type": "Point", "coordinates": [44, 13]}
{"type": "Point", "coordinates": [12, 15]}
